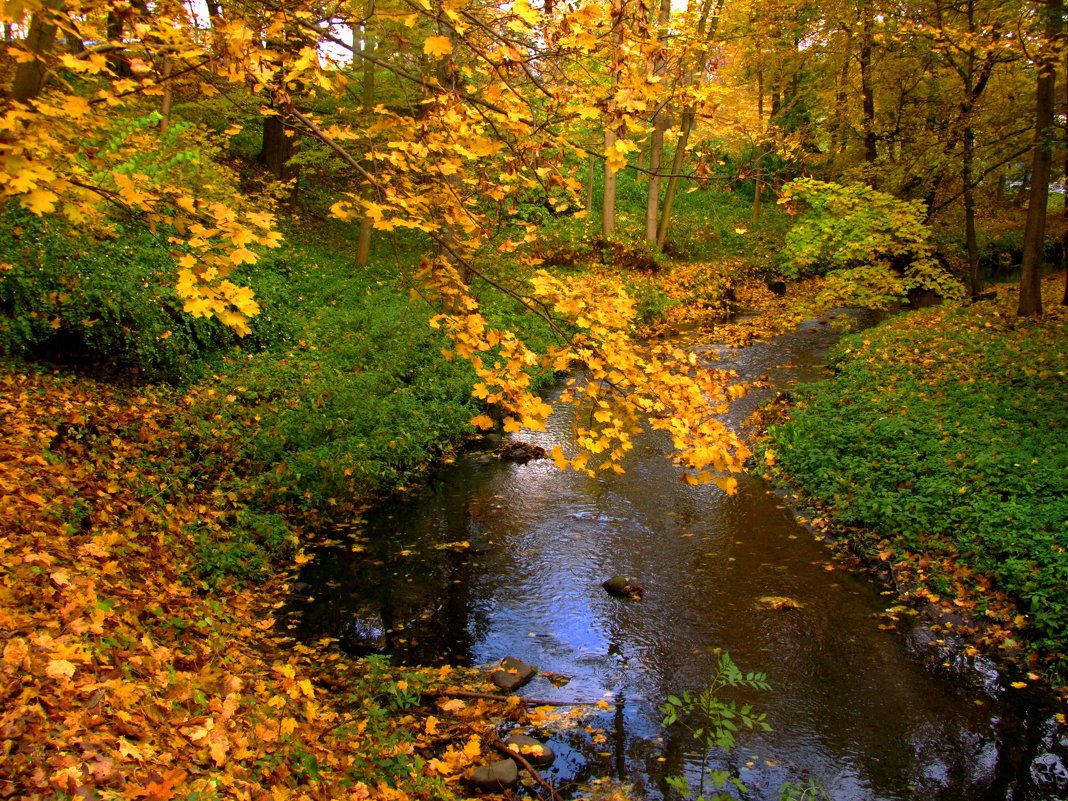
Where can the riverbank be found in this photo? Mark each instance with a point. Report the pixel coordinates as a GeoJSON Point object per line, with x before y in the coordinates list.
{"type": "Point", "coordinates": [124, 676]}
{"type": "Point", "coordinates": [950, 479]}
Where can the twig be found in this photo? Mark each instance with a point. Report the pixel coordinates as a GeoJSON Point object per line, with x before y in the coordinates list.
{"type": "Point", "coordinates": [499, 697]}
{"type": "Point", "coordinates": [496, 743]}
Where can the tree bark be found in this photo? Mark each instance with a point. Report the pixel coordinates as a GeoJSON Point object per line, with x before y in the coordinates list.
{"type": "Point", "coordinates": [867, 90]}
{"type": "Point", "coordinates": [30, 75]}
{"type": "Point", "coordinates": [168, 95]}
{"type": "Point", "coordinates": [363, 248]}
{"type": "Point", "coordinates": [656, 147]}
{"type": "Point", "coordinates": [1041, 162]}
{"type": "Point", "coordinates": [608, 199]}
{"type": "Point", "coordinates": [706, 30]}
{"type": "Point", "coordinates": [591, 173]}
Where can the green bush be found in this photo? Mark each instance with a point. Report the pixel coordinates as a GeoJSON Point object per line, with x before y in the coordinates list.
{"type": "Point", "coordinates": [874, 248]}
{"type": "Point", "coordinates": [109, 301]}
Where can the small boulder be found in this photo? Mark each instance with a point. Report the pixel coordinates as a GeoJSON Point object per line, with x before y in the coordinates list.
{"type": "Point", "coordinates": [501, 775]}
{"type": "Point", "coordinates": [536, 753]}
{"type": "Point", "coordinates": [777, 287]}
{"type": "Point", "coordinates": [511, 674]}
{"type": "Point", "coordinates": [624, 587]}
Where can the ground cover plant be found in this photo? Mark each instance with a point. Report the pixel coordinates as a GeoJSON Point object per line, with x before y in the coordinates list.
{"type": "Point", "coordinates": [943, 436]}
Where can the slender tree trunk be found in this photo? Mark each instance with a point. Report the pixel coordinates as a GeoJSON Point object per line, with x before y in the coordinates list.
{"type": "Point", "coordinates": [660, 125]}
{"type": "Point", "coordinates": [1064, 213]}
{"type": "Point", "coordinates": [591, 174]}
{"type": "Point", "coordinates": [30, 75]}
{"type": "Point", "coordinates": [608, 199]}
{"type": "Point", "coordinates": [363, 249]}
{"type": "Point", "coordinates": [867, 91]}
{"type": "Point", "coordinates": [688, 118]}
{"type": "Point", "coordinates": [656, 157]}
{"type": "Point", "coordinates": [760, 147]}
{"type": "Point", "coordinates": [168, 95]}
{"type": "Point", "coordinates": [971, 242]}
{"type": "Point", "coordinates": [1041, 162]}
{"type": "Point", "coordinates": [706, 32]}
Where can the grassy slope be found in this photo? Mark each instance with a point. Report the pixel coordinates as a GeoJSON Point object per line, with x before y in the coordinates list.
{"type": "Point", "coordinates": [942, 446]}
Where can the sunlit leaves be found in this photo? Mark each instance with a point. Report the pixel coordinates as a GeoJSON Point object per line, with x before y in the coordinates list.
{"type": "Point", "coordinates": [437, 46]}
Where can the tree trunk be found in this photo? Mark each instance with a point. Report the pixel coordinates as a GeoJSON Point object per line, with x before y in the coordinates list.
{"type": "Point", "coordinates": [591, 174]}
{"type": "Point", "coordinates": [760, 147]}
{"type": "Point", "coordinates": [660, 125]}
{"type": "Point", "coordinates": [168, 95]}
{"type": "Point", "coordinates": [277, 148]}
{"type": "Point", "coordinates": [706, 32]}
{"type": "Point", "coordinates": [363, 248]}
{"type": "Point", "coordinates": [971, 242]}
{"type": "Point", "coordinates": [1064, 213]}
{"type": "Point", "coordinates": [1041, 162]}
{"type": "Point", "coordinates": [688, 118]}
{"type": "Point", "coordinates": [30, 75]}
{"type": "Point", "coordinates": [867, 91]}
{"type": "Point", "coordinates": [608, 199]}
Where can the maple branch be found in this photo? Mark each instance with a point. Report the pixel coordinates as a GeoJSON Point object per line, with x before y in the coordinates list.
{"type": "Point", "coordinates": [501, 697]}
{"type": "Point", "coordinates": [142, 88]}
{"type": "Point", "coordinates": [321, 135]}
{"type": "Point", "coordinates": [496, 743]}
{"type": "Point", "coordinates": [979, 179]}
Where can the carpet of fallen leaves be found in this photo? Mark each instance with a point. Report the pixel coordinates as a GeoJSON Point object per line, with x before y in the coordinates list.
{"type": "Point", "coordinates": [122, 678]}
{"type": "Point", "coordinates": [712, 306]}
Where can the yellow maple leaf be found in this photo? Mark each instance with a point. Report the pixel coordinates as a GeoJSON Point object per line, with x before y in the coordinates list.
{"type": "Point", "coordinates": [40, 201]}
{"type": "Point", "coordinates": [60, 667]}
{"type": "Point", "coordinates": [437, 46]}
{"type": "Point", "coordinates": [473, 748]}
{"type": "Point", "coordinates": [483, 421]}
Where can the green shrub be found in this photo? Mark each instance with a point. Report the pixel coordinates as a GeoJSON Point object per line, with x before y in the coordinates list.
{"type": "Point", "coordinates": [873, 247]}
{"type": "Point", "coordinates": [108, 301]}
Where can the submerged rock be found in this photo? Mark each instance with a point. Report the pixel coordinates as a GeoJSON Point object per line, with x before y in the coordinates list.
{"type": "Point", "coordinates": [512, 674]}
{"type": "Point", "coordinates": [519, 452]}
{"type": "Point", "coordinates": [535, 752]}
{"type": "Point", "coordinates": [500, 775]}
{"type": "Point", "coordinates": [624, 587]}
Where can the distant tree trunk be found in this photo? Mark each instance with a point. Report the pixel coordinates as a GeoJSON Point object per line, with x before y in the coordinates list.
{"type": "Point", "coordinates": [277, 147]}
{"type": "Point", "coordinates": [1064, 214]}
{"type": "Point", "coordinates": [706, 32]}
{"type": "Point", "coordinates": [867, 91]}
{"type": "Point", "coordinates": [656, 158]}
{"type": "Point", "coordinates": [363, 249]}
{"type": "Point", "coordinates": [656, 147]}
{"type": "Point", "coordinates": [608, 199]}
{"type": "Point", "coordinates": [1041, 162]}
{"type": "Point", "coordinates": [971, 242]}
{"type": "Point", "coordinates": [30, 75]}
{"type": "Point", "coordinates": [760, 147]}
{"type": "Point", "coordinates": [591, 174]}
{"type": "Point", "coordinates": [168, 95]}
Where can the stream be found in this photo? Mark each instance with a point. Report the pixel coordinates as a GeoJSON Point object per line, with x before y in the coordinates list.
{"type": "Point", "coordinates": [860, 708]}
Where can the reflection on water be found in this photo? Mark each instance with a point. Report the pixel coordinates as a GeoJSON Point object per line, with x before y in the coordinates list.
{"type": "Point", "coordinates": [849, 704]}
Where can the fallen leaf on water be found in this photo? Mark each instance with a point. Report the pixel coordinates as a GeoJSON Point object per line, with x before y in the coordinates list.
{"type": "Point", "coordinates": [779, 602]}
